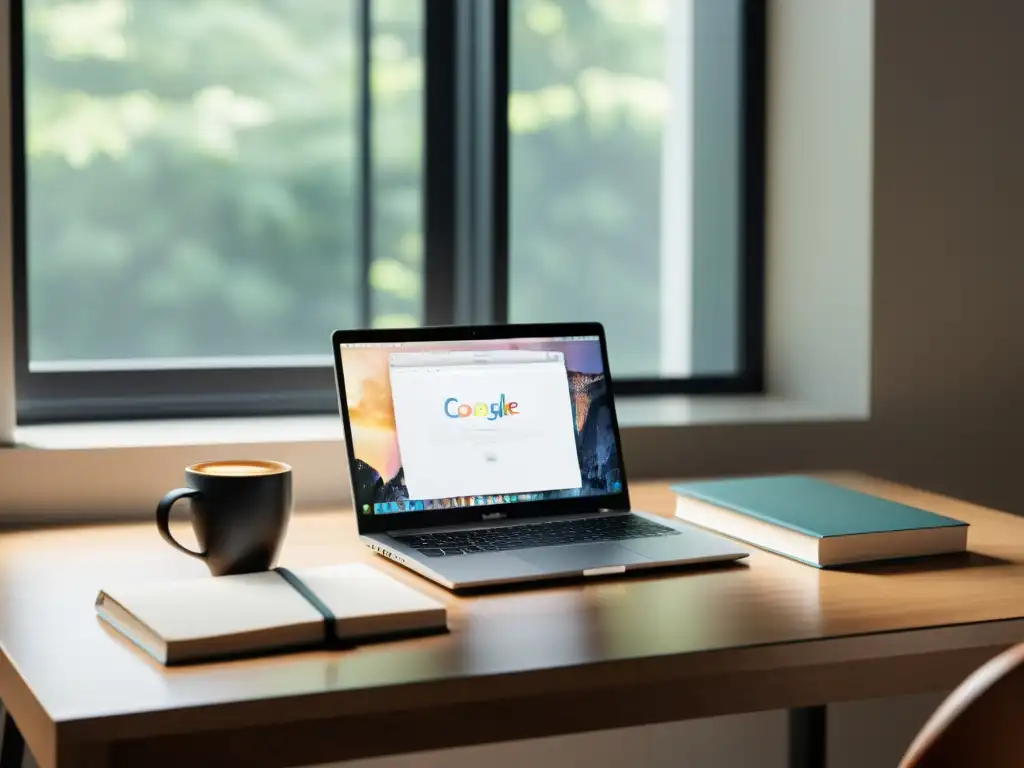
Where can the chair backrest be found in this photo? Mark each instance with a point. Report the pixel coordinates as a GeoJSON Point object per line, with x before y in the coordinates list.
{"type": "Point", "coordinates": [980, 724]}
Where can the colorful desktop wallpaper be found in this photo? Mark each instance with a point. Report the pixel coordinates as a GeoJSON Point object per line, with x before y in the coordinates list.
{"type": "Point", "coordinates": [378, 476]}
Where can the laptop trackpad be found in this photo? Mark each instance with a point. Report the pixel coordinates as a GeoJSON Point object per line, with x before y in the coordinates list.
{"type": "Point", "coordinates": [579, 557]}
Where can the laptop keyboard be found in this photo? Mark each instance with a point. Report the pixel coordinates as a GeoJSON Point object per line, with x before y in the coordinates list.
{"type": "Point", "coordinates": [528, 535]}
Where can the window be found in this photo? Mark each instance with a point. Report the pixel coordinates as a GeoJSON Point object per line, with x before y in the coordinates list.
{"type": "Point", "coordinates": [626, 163]}
{"type": "Point", "coordinates": [207, 188]}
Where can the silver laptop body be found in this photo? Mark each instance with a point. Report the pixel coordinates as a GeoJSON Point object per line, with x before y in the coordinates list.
{"type": "Point", "coordinates": [490, 455]}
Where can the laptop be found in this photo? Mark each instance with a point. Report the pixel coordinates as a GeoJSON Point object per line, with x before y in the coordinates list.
{"type": "Point", "coordinates": [490, 455]}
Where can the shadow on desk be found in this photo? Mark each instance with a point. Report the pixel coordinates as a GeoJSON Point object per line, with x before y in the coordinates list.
{"type": "Point", "coordinates": [911, 565]}
{"type": "Point", "coordinates": [953, 562]}
{"type": "Point", "coordinates": [641, 575]}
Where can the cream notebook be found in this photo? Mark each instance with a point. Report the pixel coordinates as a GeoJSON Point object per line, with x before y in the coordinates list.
{"type": "Point", "coordinates": [204, 618]}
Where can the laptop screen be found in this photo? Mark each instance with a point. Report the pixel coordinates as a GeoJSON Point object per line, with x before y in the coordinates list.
{"type": "Point", "coordinates": [440, 425]}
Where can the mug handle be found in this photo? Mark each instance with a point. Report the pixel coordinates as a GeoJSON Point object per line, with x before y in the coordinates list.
{"type": "Point", "coordinates": [163, 516]}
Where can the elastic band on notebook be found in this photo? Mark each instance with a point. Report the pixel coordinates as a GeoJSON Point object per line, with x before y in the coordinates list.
{"type": "Point", "coordinates": [299, 586]}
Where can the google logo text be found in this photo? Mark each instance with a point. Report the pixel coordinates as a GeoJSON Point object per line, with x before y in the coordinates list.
{"type": "Point", "coordinates": [453, 409]}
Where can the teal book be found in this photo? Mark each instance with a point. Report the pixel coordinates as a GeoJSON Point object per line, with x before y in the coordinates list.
{"type": "Point", "coordinates": [816, 522]}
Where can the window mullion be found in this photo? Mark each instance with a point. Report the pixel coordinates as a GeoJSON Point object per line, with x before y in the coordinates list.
{"type": "Point", "coordinates": [466, 205]}
{"type": "Point", "coordinates": [364, 27]}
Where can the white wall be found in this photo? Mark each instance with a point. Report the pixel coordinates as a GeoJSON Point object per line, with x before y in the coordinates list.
{"type": "Point", "coordinates": [948, 391]}
{"type": "Point", "coordinates": [818, 203]}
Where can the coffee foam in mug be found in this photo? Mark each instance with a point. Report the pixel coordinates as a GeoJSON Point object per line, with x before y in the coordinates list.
{"type": "Point", "coordinates": [239, 468]}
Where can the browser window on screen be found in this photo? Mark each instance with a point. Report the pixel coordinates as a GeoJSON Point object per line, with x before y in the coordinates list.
{"type": "Point", "coordinates": [483, 422]}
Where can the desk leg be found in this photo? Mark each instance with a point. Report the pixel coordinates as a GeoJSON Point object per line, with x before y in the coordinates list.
{"type": "Point", "coordinates": [12, 745]}
{"type": "Point", "coordinates": [806, 737]}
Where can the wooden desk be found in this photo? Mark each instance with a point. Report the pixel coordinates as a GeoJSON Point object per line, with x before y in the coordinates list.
{"type": "Point", "coordinates": [768, 634]}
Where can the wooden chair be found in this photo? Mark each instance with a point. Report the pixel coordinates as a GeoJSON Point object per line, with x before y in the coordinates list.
{"type": "Point", "coordinates": [980, 724]}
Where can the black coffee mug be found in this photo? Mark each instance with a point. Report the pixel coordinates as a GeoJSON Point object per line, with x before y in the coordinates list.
{"type": "Point", "coordinates": [240, 512]}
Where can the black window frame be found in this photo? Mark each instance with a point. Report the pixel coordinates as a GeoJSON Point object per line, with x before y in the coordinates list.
{"type": "Point", "coordinates": [466, 226]}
